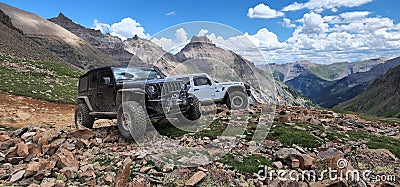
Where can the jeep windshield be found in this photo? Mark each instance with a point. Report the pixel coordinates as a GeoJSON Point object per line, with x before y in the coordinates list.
{"type": "Point", "coordinates": [135, 73]}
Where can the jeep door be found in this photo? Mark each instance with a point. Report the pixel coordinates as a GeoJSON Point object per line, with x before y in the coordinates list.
{"type": "Point", "coordinates": [105, 95]}
{"type": "Point", "coordinates": [203, 89]}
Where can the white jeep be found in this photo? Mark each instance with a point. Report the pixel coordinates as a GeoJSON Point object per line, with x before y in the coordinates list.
{"type": "Point", "coordinates": [233, 94]}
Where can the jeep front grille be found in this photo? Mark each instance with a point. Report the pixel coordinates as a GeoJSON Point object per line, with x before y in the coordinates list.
{"type": "Point", "coordinates": [170, 88]}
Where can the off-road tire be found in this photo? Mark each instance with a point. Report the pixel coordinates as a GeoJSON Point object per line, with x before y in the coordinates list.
{"type": "Point", "coordinates": [82, 116]}
{"type": "Point", "coordinates": [131, 120]}
{"type": "Point", "coordinates": [192, 115]}
{"type": "Point", "coordinates": [237, 100]}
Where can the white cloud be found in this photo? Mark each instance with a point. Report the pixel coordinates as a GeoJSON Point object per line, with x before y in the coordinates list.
{"type": "Point", "coordinates": [173, 46]}
{"type": "Point", "coordinates": [320, 5]}
{"type": "Point", "coordinates": [288, 23]}
{"type": "Point", "coordinates": [313, 23]}
{"type": "Point", "coordinates": [202, 32]}
{"type": "Point", "coordinates": [263, 11]}
{"type": "Point", "coordinates": [350, 36]}
{"type": "Point", "coordinates": [126, 28]}
{"type": "Point", "coordinates": [172, 13]}
{"type": "Point", "coordinates": [354, 16]}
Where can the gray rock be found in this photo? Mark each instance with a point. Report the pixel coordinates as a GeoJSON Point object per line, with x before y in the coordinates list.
{"type": "Point", "coordinates": [17, 176]}
{"type": "Point", "coordinates": [285, 153]}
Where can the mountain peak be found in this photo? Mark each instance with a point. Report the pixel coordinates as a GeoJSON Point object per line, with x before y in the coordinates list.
{"type": "Point", "coordinates": [200, 39]}
{"type": "Point", "coordinates": [61, 16]}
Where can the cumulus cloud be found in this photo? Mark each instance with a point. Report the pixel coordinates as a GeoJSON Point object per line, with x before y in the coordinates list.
{"type": "Point", "coordinates": [202, 32]}
{"type": "Point", "coordinates": [354, 16]}
{"type": "Point", "coordinates": [264, 12]}
{"type": "Point", "coordinates": [288, 23]}
{"type": "Point", "coordinates": [313, 23]}
{"type": "Point", "coordinates": [349, 36]}
{"type": "Point", "coordinates": [319, 6]}
{"type": "Point", "coordinates": [126, 28]}
{"type": "Point", "coordinates": [173, 45]}
{"type": "Point", "coordinates": [172, 13]}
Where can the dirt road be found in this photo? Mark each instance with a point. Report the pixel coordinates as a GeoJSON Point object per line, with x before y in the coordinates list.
{"type": "Point", "coordinates": [18, 111]}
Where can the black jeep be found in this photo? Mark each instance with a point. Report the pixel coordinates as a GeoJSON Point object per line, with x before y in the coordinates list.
{"type": "Point", "coordinates": [132, 95]}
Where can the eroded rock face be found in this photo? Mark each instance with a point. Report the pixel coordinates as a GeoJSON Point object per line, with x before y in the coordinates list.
{"type": "Point", "coordinates": [111, 45]}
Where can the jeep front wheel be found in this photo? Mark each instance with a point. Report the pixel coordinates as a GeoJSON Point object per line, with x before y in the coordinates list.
{"type": "Point", "coordinates": [237, 100]}
{"type": "Point", "coordinates": [82, 116]}
{"type": "Point", "coordinates": [131, 120]}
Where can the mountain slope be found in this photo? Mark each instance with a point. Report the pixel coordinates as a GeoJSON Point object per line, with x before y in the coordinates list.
{"type": "Point", "coordinates": [381, 98]}
{"type": "Point", "coordinates": [14, 43]}
{"type": "Point", "coordinates": [308, 84]}
{"type": "Point", "coordinates": [57, 39]}
{"type": "Point", "coordinates": [352, 85]}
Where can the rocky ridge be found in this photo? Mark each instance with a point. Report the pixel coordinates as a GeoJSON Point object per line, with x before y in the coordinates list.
{"type": "Point", "coordinates": [113, 46]}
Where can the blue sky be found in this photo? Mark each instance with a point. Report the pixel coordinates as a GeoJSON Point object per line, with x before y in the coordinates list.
{"type": "Point", "coordinates": [284, 31]}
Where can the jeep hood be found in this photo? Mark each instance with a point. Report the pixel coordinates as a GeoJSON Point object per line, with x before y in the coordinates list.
{"type": "Point", "coordinates": [138, 83]}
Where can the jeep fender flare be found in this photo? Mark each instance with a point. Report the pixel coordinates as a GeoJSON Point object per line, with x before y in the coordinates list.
{"type": "Point", "coordinates": [232, 89]}
{"type": "Point", "coordinates": [85, 100]}
{"type": "Point", "coordinates": [137, 93]}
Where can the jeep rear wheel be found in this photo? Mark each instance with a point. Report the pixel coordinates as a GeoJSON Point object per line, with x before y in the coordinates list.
{"type": "Point", "coordinates": [237, 100]}
{"type": "Point", "coordinates": [131, 120]}
{"type": "Point", "coordinates": [82, 117]}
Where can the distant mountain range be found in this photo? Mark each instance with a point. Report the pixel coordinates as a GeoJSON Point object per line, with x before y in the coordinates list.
{"type": "Point", "coordinates": [329, 85]}
{"type": "Point", "coordinates": [381, 98]}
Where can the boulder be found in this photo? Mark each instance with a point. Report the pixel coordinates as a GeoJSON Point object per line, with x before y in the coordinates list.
{"type": "Point", "coordinates": [22, 149]}
{"type": "Point", "coordinates": [66, 159]}
{"type": "Point", "coordinates": [121, 180]}
{"type": "Point", "coordinates": [196, 178]}
{"type": "Point", "coordinates": [82, 133]}
{"type": "Point", "coordinates": [306, 161]}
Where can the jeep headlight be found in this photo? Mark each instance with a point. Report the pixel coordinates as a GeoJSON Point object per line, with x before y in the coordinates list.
{"type": "Point", "coordinates": [151, 89]}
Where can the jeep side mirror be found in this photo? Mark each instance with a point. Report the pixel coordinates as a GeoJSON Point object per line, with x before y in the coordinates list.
{"type": "Point", "coordinates": [106, 80]}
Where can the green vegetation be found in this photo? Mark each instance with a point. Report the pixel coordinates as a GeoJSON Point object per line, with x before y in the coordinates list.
{"type": "Point", "coordinates": [327, 72]}
{"type": "Point", "coordinates": [278, 75]}
{"type": "Point", "coordinates": [289, 135]}
{"type": "Point", "coordinates": [169, 130]}
{"type": "Point", "coordinates": [213, 131]}
{"type": "Point", "coordinates": [104, 161]}
{"type": "Point", "coordinates": [248, 164]}
{"type": "Point", "coordinates": [43, 80]}
{"type": "Point", "coordinates": [378, 142]}
{"type": "Point", "coordinates": [7, 128]}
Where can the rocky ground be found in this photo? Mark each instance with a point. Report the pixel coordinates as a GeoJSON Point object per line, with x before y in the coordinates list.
{"type": "Point", "coordinates": [39, 146]}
